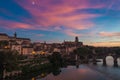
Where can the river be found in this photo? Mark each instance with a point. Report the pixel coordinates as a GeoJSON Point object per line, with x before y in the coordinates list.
{"type": "Point", "coordinates": [88, 72]}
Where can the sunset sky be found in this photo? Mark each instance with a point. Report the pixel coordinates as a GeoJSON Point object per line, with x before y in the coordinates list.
{"type": "Point", "coordinates": [95, 22]}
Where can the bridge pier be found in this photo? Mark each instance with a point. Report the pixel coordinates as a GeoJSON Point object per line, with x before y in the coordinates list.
{"type": "Point", "coordinates": [94, 60]}
{"type": "Point", "coordinates": [115, 62]}
{"type": "Point", "coordinates": [104, 61]}
{"type": "Point", "coordinates": [77, 64]}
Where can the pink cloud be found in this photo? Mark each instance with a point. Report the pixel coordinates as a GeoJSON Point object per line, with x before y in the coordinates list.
{"type": "Point", "coordinates": [71, 33]}
{"type": "Point", "coordinates": [110, 34]}
{"type": "Point", "coordinates": [20, 25]}
{"type": "Point", "coordinates": [14, 25]}
{"type": "Point", "coordinates": [106, 44]}
{"type": "Point", "coordinates": [50, 14]}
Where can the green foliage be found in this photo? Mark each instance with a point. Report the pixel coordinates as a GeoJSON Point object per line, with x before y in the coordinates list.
{"type": "Point", "coordinates": [8, 61]}
{"type": "Point", "coordinates": [22, 57]}
{"type": "Point", "coordinates": [3, 44]}
{"type": "Point", "coordinates": [56, 59]}
{"type": "Point", "coordinates": [83, 51]}
{"type": "Point", "coordinates": [117, 51]}
{"type": "Point", "coordinates": [33, 71]}
{"type": "Point", "coordinates": [56, 71]}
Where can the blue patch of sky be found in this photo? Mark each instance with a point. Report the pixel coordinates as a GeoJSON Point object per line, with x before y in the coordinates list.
{"type": "Point", "coordinates": [90, 11]}
{"type": "Point", "coordinates": [107, 23]}
{"type": "Point", "coordinates": [46, 35]}
{"type": "Point", "coordinates": [13, 11]}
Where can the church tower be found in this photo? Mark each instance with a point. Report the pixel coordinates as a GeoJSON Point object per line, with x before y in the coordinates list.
{"type": "Point", "coordinates": [76, 39]}
{"type": "Point", "coordinates": [15, 35]}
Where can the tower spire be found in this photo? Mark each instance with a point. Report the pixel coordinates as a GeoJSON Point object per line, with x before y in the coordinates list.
{"type": "Point", "coordinates": [76, 39]}
{"type": "Point", "coordinates": [15, 35]}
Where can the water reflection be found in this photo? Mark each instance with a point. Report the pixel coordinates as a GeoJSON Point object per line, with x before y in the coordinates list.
{"type": "Point", "coordinates": [109, 61]}
{"type": "Point", "coordinates": [85, 71]}
{"type": "Point", "coordinates": [118, 61]}
{"type": "Point", "coordinates": [108, 71]}
{"type": "Point", "coordinates": [71, 73]}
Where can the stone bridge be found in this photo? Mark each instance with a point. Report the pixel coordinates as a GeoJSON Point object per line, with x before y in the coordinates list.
{"type": "Point", "coordinates": [94, 56]}
{"type": "Point", "coordinates": [114, 55]}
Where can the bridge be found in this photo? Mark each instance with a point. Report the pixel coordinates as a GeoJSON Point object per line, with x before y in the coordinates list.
{"type": "Point", "coordinates": [114, 55]}
{"type": "Point", "coordinates": [93, 57]}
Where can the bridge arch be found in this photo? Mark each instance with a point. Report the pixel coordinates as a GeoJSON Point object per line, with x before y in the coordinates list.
{"type": "Point", "coordinates": [118, 59]}
{"type": "Point", "coordinates": [110, 60]}
{"type": "Point", "coordinates": [90, 56]}
{"type": "Point", "coordinates": [87, 58]}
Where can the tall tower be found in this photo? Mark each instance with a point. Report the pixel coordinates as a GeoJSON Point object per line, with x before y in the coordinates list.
{"type": "Point", "coordinates": [15, 35]}
{"type": "Point", "coordinates": [76, 39]}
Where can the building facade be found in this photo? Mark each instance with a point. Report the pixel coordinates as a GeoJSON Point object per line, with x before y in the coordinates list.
{"type": "Point", "coordinates": [21, 45]}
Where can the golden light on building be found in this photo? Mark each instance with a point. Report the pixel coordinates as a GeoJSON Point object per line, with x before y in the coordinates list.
{"type": "Point", "coordinates": [33, 52]}
{"type": "Point", "coordinates": [42, 75]}
{"type": "Point", "coordinates": [6, 47]}
{"type": "Point", "coordinates": [43, 52]}
{"type": "Point", "coordinates": [33, 78]}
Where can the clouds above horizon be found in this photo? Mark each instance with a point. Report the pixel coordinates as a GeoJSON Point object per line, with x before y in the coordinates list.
{"type": "Point", "coordinates": [83, 18]}
{"type": "Point", "coordinates": [51, 13]}
{"type": "Point", "coordinates": [109, 34]}
{"type": "Point", "coordinates": [106, 44]}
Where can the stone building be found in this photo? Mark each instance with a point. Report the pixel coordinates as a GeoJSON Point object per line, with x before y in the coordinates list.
{"type": "Point", "coordinates": [17, 43]}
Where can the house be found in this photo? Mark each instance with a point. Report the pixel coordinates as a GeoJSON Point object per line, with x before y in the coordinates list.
{"type": "Point", "coordinates": [22, 45]}
{"type": "Point", "coordinates": [17, 47]}
{"type": "Point", "coordinates": [4, 37]}
{"type": "Point", "coordinates": [27, 50]}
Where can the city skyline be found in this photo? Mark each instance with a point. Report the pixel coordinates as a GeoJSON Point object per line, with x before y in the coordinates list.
{"type": "Point", "coordinates": [95, 22]}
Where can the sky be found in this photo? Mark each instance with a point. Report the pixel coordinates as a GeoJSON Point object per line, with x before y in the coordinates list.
{"type": "Point", "coordinates": [95, 22]}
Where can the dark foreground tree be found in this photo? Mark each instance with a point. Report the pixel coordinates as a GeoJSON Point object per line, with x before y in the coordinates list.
{"type": "Point", "coordinates": [3, 44]}
{"type": "Point", "coordinates": [8, 61]}
{"type": "Point", "coordinates": [83, 53]}
{"type": "Point", "coordinates": [56, 59]}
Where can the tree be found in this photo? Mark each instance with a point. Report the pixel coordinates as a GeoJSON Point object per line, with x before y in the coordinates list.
{"type": "Point", "coordinates": [8, 61]}
{"type": "Point", "coordinates": [3, 44]}
{"type": "Point", "coordinates": [83, 51]}
{"type": "Point", "coordinates": [56, 59]}
{"type": "Point", "coordinates": [117, 51]}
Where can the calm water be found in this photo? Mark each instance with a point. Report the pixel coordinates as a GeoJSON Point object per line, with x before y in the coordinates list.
{"type": "Point", "coordinates": [88, 72]}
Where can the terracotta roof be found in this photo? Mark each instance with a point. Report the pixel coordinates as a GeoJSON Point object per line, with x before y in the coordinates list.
{"type": "Point", "coordinates": [3, 34]}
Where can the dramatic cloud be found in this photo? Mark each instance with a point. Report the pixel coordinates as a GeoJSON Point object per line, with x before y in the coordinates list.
{"type": "Point", "coordinates": [13, 24]}
{"type": "Point", "coordinates": [65, 18]}
{"type": "Point", "coordinates": [109, 34]}
{"type": "Point", "coordinates": [20, 25]}
{"type": "Point", "coordinates": [71, 33]}
{"type": "Point", "coordinates": [106, 44]}
{"type": "Point", "coordinates": [52, 13]}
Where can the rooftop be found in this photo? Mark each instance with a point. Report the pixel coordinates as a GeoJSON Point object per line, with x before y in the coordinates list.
{"type": "Point", "coordinates": [3, 34]}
